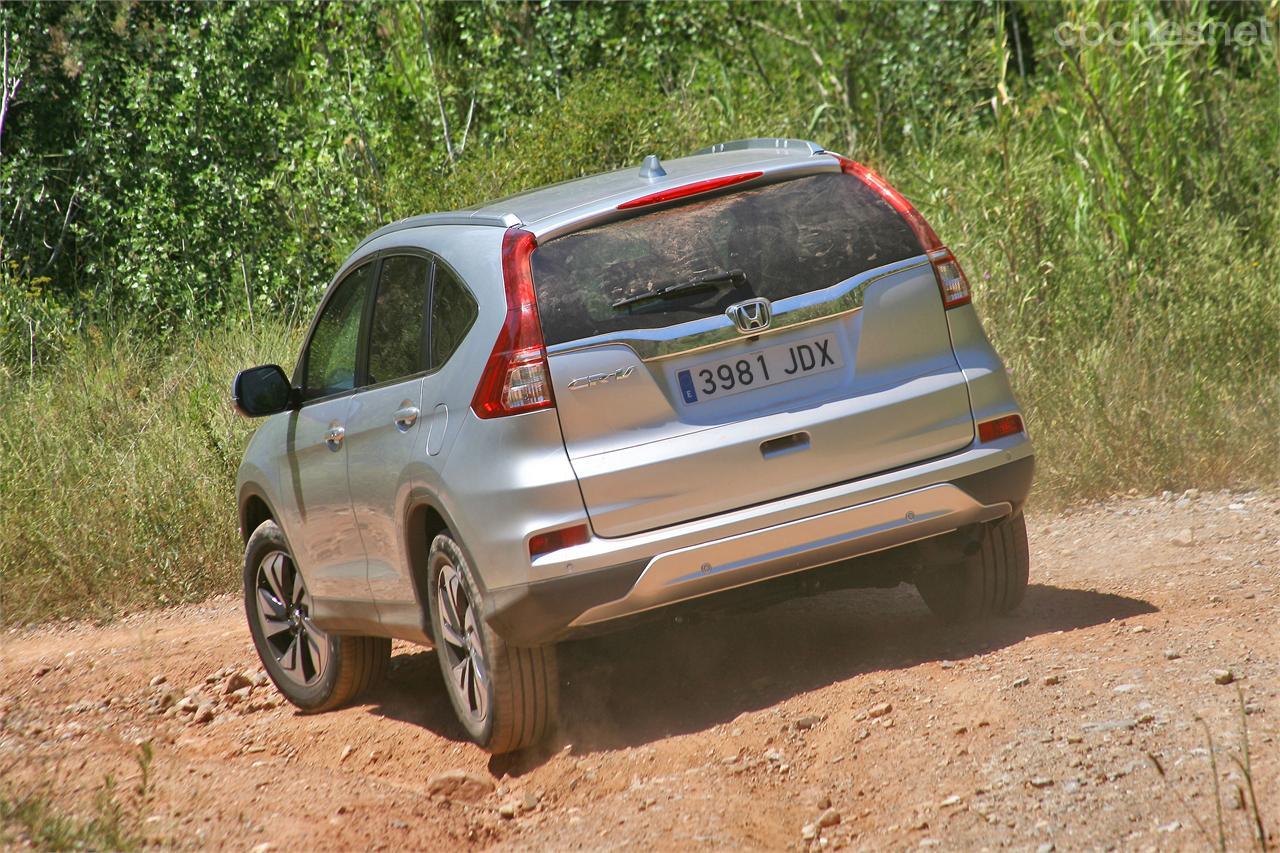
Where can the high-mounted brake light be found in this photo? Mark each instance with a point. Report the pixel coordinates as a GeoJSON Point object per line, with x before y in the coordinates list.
{"type": "Point", "coordinates": [952, 283]}
{"type": "Point", "coordinates": [694, 188]}
{"type": "Point", "coordinates": [554, 540]}
{"type": "Point", "coordinates": [516, 378]}
{"type": "Point", "coordinates": [999, 428]}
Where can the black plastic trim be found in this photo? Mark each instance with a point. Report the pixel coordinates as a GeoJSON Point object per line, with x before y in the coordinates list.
{"type": "Point", "coordinates": [346, 616]}
{"type": "Point", "coordinates": [1007, 483]}
{"type": "Point", "coordinates": [538, 613]}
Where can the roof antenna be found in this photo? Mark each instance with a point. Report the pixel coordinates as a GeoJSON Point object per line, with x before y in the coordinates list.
{"type": "Point", "coordinates": [651, 169]}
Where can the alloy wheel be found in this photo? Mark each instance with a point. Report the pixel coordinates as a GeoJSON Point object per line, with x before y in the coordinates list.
{"type": "Point", "coordinates": [284, 614]}
{"type": "Point", "coordinates": [464, 654]}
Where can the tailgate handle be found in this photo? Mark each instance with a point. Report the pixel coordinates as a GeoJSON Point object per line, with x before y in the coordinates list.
{"type": "Point", "coordinates": [786, 444]}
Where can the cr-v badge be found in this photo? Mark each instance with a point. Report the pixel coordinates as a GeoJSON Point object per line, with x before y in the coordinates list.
{"type": "Point", "coordinates": [601, 378]}
{"type": "Point", "coordinates": [752, 315]}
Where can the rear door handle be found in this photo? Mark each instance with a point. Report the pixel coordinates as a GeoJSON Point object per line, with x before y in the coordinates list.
{"type": "Point", "coordinates": [406, 417]}
{"type": "Point", "coordinates": [334, 437]}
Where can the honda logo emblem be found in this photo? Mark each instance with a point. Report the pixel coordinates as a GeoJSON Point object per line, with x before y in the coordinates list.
{"type": "Point", "coordinates": [753, 315]}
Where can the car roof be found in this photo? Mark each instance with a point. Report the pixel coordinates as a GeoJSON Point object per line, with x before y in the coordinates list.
{"type": "Point", "coordinates": [554, 205]}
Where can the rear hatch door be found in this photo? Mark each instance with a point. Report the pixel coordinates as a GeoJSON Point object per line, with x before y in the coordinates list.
{"type": "Point", "coordinates": [738, 349]}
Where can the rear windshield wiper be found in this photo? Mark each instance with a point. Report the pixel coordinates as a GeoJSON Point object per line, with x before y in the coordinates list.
{"type": "Point", "coordinates": [706, 281]}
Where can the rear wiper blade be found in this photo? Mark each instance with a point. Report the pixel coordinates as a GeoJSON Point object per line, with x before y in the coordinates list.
{"type": "Point", "coordinates": [707, 281]}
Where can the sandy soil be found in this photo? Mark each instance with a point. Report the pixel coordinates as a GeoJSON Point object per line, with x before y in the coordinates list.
{"type": "Point", "coordinates": [854, 719]}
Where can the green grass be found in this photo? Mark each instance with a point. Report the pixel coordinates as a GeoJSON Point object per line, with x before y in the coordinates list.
{"type": "Point", "coordinates": [118, 467]}
{"type": "Point", "coordinates": [114, 821]}
{"type": "Point", "coordinates": [38, 821]}
{"type": "Point", "coordinates": [118, 463]}
{"type": "Point", "coordinates": [1121, 239]}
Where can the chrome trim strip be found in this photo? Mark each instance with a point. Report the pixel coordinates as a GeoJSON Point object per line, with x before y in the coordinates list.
{"type": "Point", "coordinates": [707, 332]}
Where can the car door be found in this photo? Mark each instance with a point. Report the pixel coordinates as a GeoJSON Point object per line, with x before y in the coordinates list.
{"type": "Point", "coordinates": [384, 463]}
{"type": "Point", "coordinates": [317, 514]}
{"type": "Point", "coordinates": [385, 420]}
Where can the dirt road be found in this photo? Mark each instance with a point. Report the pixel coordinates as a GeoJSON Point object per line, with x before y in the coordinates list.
{"type": "Point", "coordinates": [853, 719]}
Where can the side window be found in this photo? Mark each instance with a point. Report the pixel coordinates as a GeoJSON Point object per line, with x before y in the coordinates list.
{"type": "Point", "coordinates": [397, 345]}
{"type": "Point", "coordinates": [452, 313]}
{"type": "Point", "coordinates": [330, 358]}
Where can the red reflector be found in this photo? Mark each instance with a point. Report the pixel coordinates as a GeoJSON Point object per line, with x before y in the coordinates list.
{"type": "Point", "coordinates": [554, 540]}
{"type": "Point", "coordinates": [688, 189]}
{"type": "Point", "coordinates": [999, 428]}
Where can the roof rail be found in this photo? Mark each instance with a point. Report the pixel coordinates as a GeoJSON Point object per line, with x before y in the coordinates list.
{"type": "Point", "coordinates": [759, 142]}
{"type": "Point", "coordinates": [462, 217]}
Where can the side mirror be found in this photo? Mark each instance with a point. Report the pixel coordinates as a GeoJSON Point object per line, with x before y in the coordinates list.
{"type": "Point", "coordinates": [261, 391]}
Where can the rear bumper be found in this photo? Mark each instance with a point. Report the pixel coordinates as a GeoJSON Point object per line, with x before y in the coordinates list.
{"type": "Point", "coordinates": [612, 579]}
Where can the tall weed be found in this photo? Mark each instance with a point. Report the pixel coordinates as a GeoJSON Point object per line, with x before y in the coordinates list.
{"type": "Point", "coordinates": [1113, 211]}
{"type": "Point", "coordinates": [118, 466]}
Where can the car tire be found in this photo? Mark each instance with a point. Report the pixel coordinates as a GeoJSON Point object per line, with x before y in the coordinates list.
{"type": "Point", "coordinates": [314, 670]}
{"type": "Point", "coordinates": [506, 697]}
{"type": "Point", "coordinates": [989, 582]}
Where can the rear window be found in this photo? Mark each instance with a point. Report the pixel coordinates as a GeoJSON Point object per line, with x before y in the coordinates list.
{"type": "Point", "coordinates": [777, 241]}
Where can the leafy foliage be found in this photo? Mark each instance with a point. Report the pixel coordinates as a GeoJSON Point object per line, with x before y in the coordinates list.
{"type": "Point", "coordinates": [180, 180]}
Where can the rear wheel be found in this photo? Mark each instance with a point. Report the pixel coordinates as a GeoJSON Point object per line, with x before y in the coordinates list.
{"type": "Point", "coordinates": [314, 670]}
{"type": "Point", "coordinates": [506, 697]}
{"type": "Point", "coordinates": [987, 583]}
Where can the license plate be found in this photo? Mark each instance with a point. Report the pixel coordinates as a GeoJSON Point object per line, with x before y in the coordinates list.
{"type": "Point", "coordinates": [759, 369]}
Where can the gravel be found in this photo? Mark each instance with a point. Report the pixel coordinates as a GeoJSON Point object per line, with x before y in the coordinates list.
{"type": "Point", "coordinates": [647, 725]}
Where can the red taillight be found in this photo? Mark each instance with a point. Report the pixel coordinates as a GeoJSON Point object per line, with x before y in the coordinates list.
{"type": "Point", "coordinates": [924, 232]}
{"type": "Point", "coordinates": [999, 428]}
{"type": "Point", "coordinates": [516, 378]}
{"type": "Point", "coordinates": [688, 189]}
{"type": "Point", "coordinates": [554, 540]}
{"type": "Point", "coordinates": [952, 283]}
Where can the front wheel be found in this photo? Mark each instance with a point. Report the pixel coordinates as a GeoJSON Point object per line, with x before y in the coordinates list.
{"type": "Point", "coordinates": [989, 582]}
{"type": "Point", "coordinates": [506, 697]}
{"type": "Point", "coordinates": [314, 670]}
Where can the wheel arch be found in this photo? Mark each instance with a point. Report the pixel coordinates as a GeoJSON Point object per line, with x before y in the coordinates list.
{"type": "Point", "coordinates": [426, 517]}
{"type": "Point", "coordinates": [254, 508]}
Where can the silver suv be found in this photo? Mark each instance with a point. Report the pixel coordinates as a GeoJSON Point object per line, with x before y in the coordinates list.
{"type": "Point", "coordinates": [534, 419]}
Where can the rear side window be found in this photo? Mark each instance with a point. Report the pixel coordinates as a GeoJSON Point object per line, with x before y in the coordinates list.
{"type": "Point", "coordinates": [330, 358]}
{"type": "Point", "coordinates": [777, 241]}
{"type": "Point", "coordinates": [397, 338]}
{"type": "Point", "coordinates": [451, 316]}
